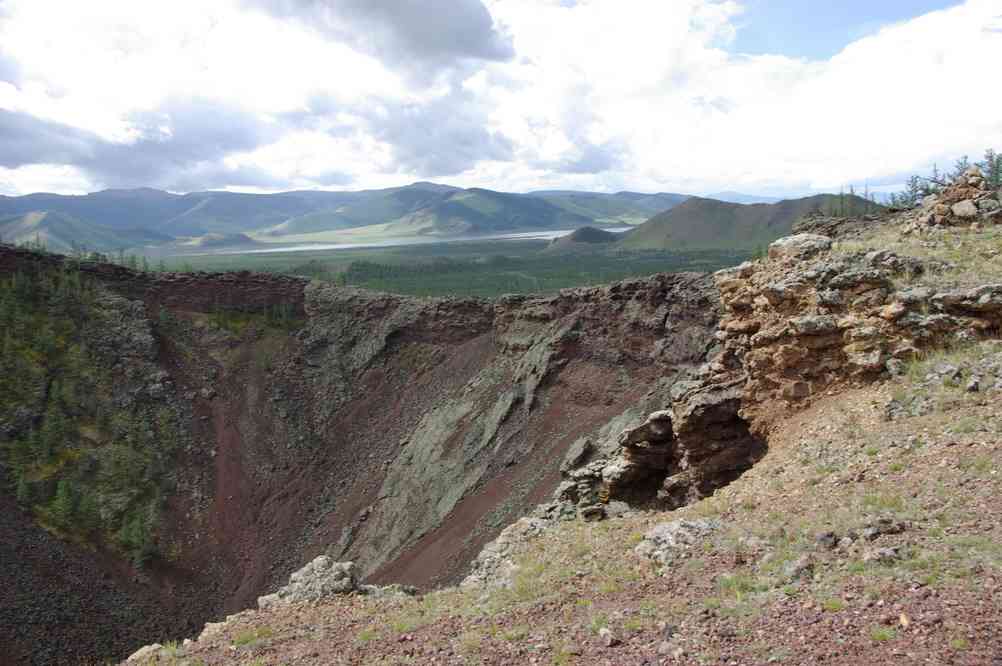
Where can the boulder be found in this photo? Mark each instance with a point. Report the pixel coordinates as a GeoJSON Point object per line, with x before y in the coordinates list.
{"type": "Point", "coordinates": [663, 542]}
{"type": "Point", "coordinates": [799, 246]}
{"type": "Point", "coordinates": [145, 654]}
{"type": "Point", "coordinates": [320, 579]}
{"type": "Point", "coordinates": [964, 210]}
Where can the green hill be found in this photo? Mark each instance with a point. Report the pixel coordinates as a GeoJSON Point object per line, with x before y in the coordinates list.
{"type": "Point", "coordinates": [478, 211]}
{"type": "Point", "coordinates": [360, 209]}
{"type": "Point", "coordinates": [707, 223]}
{"type": "Point", "coordinates": [585, 239]}
{"type": "Point", "coordinates": [62, 233]}
{"type": "Point", "coordinates": [621, 207]}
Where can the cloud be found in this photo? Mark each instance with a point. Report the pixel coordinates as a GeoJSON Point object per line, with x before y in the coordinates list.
{"type": "Point", "coordinates": [504, 94]}
{"type": "Point", "coordinates": [443, 137]}
{"type": "Point", "coordinates": [419, 35]}
{"type": "Point", "coordinates": [180, 146]}
{"type": "Point", "coordinates": [9, 70]}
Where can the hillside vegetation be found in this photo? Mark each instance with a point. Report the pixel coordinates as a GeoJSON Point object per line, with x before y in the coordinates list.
{"type": "Point", "coordinates": [62, 233]}
{"type": "Point", "coordinates": [707, 223]}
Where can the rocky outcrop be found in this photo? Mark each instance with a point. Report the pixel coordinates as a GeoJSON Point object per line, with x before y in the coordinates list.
{"type": "Point", "coordinates": [968, 199]}
{"type": "Point", "coordinates": [322, 579]}
{"type": "Point", "coordinates": [797, 324]}
{"type": "Point", "coordinates": [794, 328]}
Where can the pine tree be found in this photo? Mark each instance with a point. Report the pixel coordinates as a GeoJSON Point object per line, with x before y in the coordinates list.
{"type": "Point", "coordinates": [89, 516]}
{"type": "Point", "coordinates": [23, 489]}
{"type": "Point", "coordinates": [62, 505]}
{"type": "Point", "coordinates": [991, 167]}
{"type": "Point", "coordinates": [960, 166]}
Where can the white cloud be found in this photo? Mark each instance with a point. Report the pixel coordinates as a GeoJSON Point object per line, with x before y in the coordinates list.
{"type": "Point", "coordinates": [604, 94]}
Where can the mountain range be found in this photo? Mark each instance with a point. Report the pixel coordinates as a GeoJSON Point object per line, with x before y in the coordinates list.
{"type": "Point", "coordinates": [113, 219]}
{"type": "Point", "coordinates": [142, 219]}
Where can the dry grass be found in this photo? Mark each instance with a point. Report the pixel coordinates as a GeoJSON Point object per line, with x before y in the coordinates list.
{"type": "Point", "coordinates": [975, 257]}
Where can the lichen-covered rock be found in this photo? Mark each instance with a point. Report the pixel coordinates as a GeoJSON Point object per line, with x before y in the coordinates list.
{"type": "Point", "coordinates": [664, 542]}
{"type": "Point", "coordinates": [320, 579]}
{"type": "Point", "coordinates": [495, 567]}
{"type": "Point", "coordinates": [799, 246]}
{"type": "Point", "coordinates": [965, 210]}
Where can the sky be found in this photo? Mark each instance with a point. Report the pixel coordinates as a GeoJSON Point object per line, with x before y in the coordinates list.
{"type": "Point", "coordinates": [774, 97]}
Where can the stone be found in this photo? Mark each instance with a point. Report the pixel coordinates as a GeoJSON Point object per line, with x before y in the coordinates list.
{"type": "Point", "coordinates": [567, 491]}
{"type": "Point", "coordinates": [814, 324]}
{"type": "Point", "coordinates": [799, 568]}
{"type": "Point", "coordinates": [320, 579]}
{"type": "Point", "coordinates": [882, 526]}
{"type": "Point", "coordinates": [592, 513]}
{"type": "Point", "coordinates": [882, 555]}
{"type": "Point", "coordinates": [663, 542]}
{"type": "Point", "coordinates": [964, 210]}
{"type": "Point", "coordinates": [608, 638]}
{"type": "Point", "coordinates": [145, 653]}
{"type": "Point", "coordinates": [615, 509]}
{"type": "Point", "coordinates": [988, 205]}
{"type": "Point", "coordinates": [800, 246]}
{"type": "Point", "coordinates": [827, 540]}
{"type": "Point", "coordinates": [577, 454]}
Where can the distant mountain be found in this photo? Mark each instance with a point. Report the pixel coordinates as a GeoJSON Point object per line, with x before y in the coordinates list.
{"type": "Point", "coordinates": [117, 219]}
{"type": "Point", "coordinates": [421, 208]}
{"type": "Point", "coordinates": [359, 209]}
{"type": "Point", "coordinates": [707, 223]}
{"type": "Point", "coordinates": [478, 211]}
{"type": "Point", "coordinates": [621, 207]}
{"type": "Point", "coordinates": [63, 233]}
{"type": "Point", "coordinates": [739, 198]}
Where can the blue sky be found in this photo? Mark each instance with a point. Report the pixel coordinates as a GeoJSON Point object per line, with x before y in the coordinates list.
{"type": "Point", "coordinates": [816, 29]}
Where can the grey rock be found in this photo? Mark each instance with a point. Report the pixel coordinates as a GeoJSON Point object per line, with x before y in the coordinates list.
{"type": "Point", "coordinates": [799, 246]}
{"type": "Point", "coordinates": [988, 205]}
{"type": "Point", "coordinates": [577, 454]}
{"type": "Point", "coordinates": [964, 210]}
{"type": "Point", "coordinates": [882, 555]}
{"type": "Point", "coordinates": [608, 638]}
{"type": "Point", "coordinates": [798, 568]}
{"type": "Point", "coordinates": [882, 526]}
{"type": "Point", "coordinates": [814, 324]}
{"type": "Point", "coordinates": [320, 579]}
{"type": "Point", "coordinates": [615, 509]}
{"type": "Point", "coordinates": [663, 542]}
{"type": "Point", "coordinates": [592, 513]}
{"type": "Point", "coordinates": [827, 540]}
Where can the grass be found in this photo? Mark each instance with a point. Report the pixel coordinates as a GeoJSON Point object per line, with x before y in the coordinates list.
{"type": "Point", "coordinates": [969, 253]}
{"type": "Point", "coordinates": [882, 634]}
{"type": "Point", "coordinates": [253, 636]}
{"type": "Point", "coordinates": [833, 605]}
{"type": "Point", "coordinates": [367, 635]}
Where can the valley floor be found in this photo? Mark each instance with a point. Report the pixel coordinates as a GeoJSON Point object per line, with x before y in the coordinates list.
{"type": "Point", "coordinates": [871, 533]}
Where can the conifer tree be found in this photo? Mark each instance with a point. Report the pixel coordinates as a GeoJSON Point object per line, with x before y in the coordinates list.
{"type": "Point", "coordinates": [23, 489]}
{"type": "Point", "coordinates": [62, 505]}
